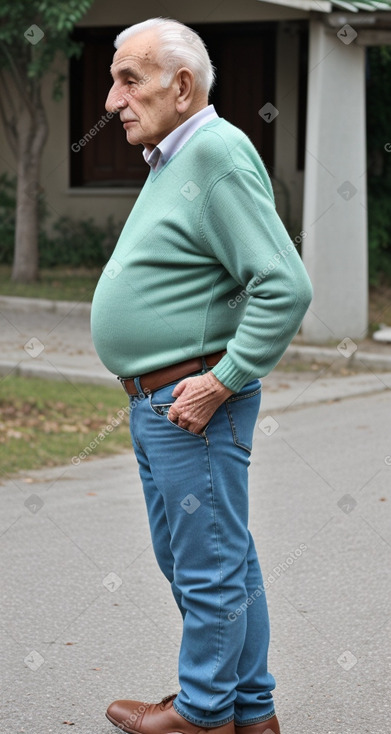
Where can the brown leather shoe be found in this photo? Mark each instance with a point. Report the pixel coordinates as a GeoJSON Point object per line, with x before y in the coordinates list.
{"type": "Point", "coordinates": [270, 726]}
{"type": "Point", "coordinates": [136, 717]}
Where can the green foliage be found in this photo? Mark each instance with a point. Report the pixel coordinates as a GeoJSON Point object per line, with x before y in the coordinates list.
{"type": "Point", "coordinates": [73, 243]}
{"type": "Point", "coordinates": [28, 58]}
{"type": "Point", "coordinates": [379, 225]}
{"type": "Point", "coordinates": [78, 243]}
{"type": "Point", "coordinates": [378, 97]}
{"type": "Point", "coordinates": [379, 162]}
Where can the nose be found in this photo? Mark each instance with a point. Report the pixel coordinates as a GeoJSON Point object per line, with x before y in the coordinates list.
{"type": "Point", "coordinates": [115, 100]}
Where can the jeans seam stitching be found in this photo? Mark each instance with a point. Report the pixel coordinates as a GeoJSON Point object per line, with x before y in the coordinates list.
{"type": "Point", "coordinates": [200, 722]}
{"type": "Point", "coordinates": [243, 397]}
{"type": "Point", "coordinates": [257, 719]}
{"type": "Point", "coordinates": [234, 433]}
{"type": "Point", "coordinates": [218, 658]}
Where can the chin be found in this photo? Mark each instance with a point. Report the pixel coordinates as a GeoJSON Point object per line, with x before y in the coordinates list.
{"type": "Point", "coordinates": [132, 139]}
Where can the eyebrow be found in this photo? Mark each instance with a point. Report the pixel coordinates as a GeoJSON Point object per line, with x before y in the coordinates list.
{"type": "Point", "coordinates": [126, 71]}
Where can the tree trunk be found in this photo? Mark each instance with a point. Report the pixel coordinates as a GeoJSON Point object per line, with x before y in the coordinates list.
{"type": "Point", "coordinates": [32, 134]}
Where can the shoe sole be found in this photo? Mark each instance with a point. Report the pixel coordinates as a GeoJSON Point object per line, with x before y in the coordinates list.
{"type": "Point", "coordinates": [130, 731]}
{"type": "Point", "coordinates": [120, 726]}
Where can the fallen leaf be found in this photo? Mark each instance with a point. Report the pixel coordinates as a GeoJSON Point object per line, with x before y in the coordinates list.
{"type": "Point", "coordinates": [14, 434]}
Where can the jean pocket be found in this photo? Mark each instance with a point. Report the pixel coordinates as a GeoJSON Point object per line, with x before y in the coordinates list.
{"type": "Point", "coordinates": [162, 409]}
{"type": "Point", "coordinates": [242, 409]}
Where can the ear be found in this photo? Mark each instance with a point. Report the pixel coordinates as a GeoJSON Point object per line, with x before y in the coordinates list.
{"type": "Point", "coordinates": [185, 89]}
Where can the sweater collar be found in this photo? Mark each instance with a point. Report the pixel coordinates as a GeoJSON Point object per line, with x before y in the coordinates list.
{"type": "Point", "coordinates": [175, 140]}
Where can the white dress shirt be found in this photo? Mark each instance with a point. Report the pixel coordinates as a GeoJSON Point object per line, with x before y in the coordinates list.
{"type": "Point", "coordinates": [173, 142]}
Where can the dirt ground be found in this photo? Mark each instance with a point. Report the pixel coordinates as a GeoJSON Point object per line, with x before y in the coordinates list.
{"type": "Point", "coordinates": [380, 305]}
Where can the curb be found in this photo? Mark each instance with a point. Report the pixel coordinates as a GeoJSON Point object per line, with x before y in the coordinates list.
{"type": "Point", "coordinates": [359, 385]}
{"type": "Point", "coordinates": [296, 353]}
{"type": "Point", "coordinates": [63, 308]}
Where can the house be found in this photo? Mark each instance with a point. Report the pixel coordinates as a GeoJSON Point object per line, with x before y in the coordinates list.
{"type": "Point", "coordinates": [291, 74]}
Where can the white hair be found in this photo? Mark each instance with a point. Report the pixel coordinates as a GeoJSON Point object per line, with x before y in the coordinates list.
{"type": "Point", "coordinates": [179, 46]}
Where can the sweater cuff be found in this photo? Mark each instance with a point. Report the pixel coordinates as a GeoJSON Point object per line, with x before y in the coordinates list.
{"type": "Point", "coordinates": [229, 374]}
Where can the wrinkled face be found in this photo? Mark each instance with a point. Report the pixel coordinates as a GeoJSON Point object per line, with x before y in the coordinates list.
{"type": "Point", "coordinates": [147, 110]}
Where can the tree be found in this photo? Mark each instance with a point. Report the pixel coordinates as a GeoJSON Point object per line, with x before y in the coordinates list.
{"type": "Point", "coordinates": [32, 33]}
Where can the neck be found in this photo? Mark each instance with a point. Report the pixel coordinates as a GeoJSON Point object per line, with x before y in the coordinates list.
{"type": "Point", "coordinates": [192, 111]}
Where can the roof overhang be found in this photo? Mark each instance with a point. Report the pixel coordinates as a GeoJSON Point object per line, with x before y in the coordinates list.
{"type": "Point", "coordinates": [322, 6]}
{"type": "Point", "coordinates": [356, 5]}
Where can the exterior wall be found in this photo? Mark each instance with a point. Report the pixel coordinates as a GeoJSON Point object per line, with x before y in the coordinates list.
{"type": "Point", "coordinates": [100, 203]}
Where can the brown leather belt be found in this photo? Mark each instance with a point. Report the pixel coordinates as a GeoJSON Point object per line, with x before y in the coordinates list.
{"type": "Point", "coordinates": [159, 378]}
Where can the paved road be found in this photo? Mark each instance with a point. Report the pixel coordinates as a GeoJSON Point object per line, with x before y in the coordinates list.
{"type": "Point", "coordinates": [47, 341]}
{"type": "Point", "coordinates": [87, 617]}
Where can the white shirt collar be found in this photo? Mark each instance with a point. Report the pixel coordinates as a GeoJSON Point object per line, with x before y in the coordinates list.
{"type": "Point", "coordinates": [174, 141]}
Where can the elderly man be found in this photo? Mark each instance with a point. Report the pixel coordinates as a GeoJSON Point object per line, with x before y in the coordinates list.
{"type": "Point", "coordinates": [202, 295]}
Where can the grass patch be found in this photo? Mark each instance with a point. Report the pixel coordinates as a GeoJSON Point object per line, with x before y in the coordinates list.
{"type": "Point", "coordinates": [46, 423]}
{"type": "Point", "coordinates": [57, 284]}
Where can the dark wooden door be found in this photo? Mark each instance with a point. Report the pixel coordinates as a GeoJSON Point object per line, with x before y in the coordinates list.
{"type": "Point", "coordinates": [106, 159]}
{"type": "Point", "coordinates": [244, 55]}
{"type": "Point", "coordinates": [245, 59]}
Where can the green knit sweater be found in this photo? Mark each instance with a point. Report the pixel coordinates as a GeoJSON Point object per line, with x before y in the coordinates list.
{"type": "Point", "coordinates": [203, 263]}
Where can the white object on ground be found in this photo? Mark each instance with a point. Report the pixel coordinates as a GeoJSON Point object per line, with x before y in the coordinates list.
{"type": "Point", "coordinates": [383, 335]}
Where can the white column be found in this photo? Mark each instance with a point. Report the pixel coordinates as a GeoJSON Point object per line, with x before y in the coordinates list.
{"type": "Point", "coordinates": [335, 201]}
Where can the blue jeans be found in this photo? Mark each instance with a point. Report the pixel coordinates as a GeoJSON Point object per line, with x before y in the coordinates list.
{"type": "Point", "coordinates": [196, 492]}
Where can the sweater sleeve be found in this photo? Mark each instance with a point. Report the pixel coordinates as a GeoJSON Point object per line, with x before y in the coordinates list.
{"type": "Point", "coordinates": [241, 228]}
